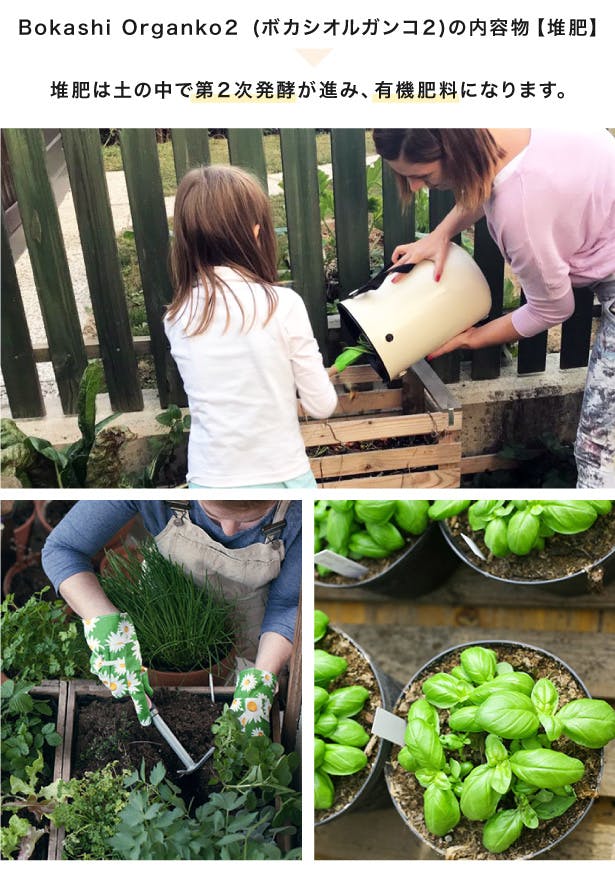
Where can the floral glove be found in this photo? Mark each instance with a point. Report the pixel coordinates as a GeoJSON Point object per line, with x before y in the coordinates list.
{"type": "Point", "coordinates": [252, 700]}
{"type": "Point", "coordinates": [116, 659]}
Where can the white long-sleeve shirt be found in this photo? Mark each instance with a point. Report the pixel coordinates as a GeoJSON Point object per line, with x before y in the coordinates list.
{"type": "Point", "coordinates": [242, 386]}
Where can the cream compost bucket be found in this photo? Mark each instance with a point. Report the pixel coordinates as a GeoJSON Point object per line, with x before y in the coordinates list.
{"type": "Point", "coordinates": [407, 320]}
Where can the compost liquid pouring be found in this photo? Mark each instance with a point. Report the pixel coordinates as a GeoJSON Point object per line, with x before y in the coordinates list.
{"type": "Point", "coordinates": [407, 320]}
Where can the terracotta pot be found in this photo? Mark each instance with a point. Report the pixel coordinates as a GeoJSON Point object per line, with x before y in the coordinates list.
{"type": "Point", "coordinates": [22, 532]}
{"type": "Point", "coordinates": [222, 674]}
{"type": "Point", "coordinates": [21, 565]}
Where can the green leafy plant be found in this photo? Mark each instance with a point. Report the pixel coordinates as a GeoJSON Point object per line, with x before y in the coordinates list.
{"type": "Point", "coordinates": [367, 528]}
{"type": "Point", "coordinates": [27, 727]}
{"type": "Point", "coordinates": [40, 641]}
{"type": "Point", "coordinates": [517, 527]}
{"type": "Point", "coordinates": [181, 625]}
{"type": "Point", "coordinates": [28, 457]}
{"type": "Point", "coordinates": [483, 710]}
{"type": "Point", "coordinates": [255, 804]}
{"type": "Point", "coordinates": [338, 738]}
{"type": "Point", "coordinates": [165, 448]}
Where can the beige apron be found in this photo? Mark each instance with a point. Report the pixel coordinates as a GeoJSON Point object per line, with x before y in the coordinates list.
{"type": "Point", "coordinates": [242, 575]}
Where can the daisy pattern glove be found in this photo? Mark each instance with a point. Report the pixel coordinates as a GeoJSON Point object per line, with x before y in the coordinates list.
{"type": "Point", "coordinates": [116, 659]}
{"type": "Point", "coordinates": [252, 700]}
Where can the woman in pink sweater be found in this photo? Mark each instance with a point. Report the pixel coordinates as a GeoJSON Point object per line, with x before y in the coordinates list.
{"type": "Point", "coordinates": [549, 201]}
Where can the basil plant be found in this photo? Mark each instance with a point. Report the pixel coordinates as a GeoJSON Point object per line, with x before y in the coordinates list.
{"type": "Point", "coordinates": [491, 744]}
{"type": "Point", "coordinates": [338, 738]}
{"type": "Point", "coordinates": [517, 527]}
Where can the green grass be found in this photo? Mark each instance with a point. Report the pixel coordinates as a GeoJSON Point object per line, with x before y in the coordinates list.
{"type": "Point", "coordinates": [112, 156]}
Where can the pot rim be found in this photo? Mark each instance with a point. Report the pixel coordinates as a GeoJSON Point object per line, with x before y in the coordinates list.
{"type": "Point", "coordinates": [419, 540]}
{"type": "Point", "coordinates": [384, 746]}
{"type": "Point", "coordinates": [512, 644]}
{"type": "Point", "coordinates": [517, 580]}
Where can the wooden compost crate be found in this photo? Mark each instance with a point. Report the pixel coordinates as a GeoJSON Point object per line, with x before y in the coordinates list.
{"type": "Point", "coordinates": [403, 435]}
{"type": "Point", "coordinates": [57, 692]}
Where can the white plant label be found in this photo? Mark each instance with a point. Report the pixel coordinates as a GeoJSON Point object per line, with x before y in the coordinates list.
{"type": "Point", "coordinates": [340, 564]}
{"type": "Point", "coordinates": [475, 549]}
{"type": "Point", "coordinates": [389, 727]}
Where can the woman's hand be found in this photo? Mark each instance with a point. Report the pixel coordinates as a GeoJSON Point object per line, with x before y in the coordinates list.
{"type": "Point", "coordinates": [464, 339]}
{"type": "Point", "coordinates": [433, 247]}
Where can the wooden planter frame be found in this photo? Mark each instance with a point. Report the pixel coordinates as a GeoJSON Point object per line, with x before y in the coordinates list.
{"type": "Point", "coordinates": [419, 404]}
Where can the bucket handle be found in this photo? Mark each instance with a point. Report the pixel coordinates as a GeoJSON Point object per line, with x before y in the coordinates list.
{"type": "Point", "coordinates": [379, 278]}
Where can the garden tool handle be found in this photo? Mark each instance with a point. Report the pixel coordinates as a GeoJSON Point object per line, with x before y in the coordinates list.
{"type": "Point", "coordinates": [165, 731]}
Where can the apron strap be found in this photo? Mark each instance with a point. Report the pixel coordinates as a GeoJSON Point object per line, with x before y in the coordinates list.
{"type": "Point", "coordinates": [274, 529]}
{"type": "Point", "coordinates": [180, 509]}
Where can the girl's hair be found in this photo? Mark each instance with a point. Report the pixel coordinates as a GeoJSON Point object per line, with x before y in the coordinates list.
{"type": "Point", "coordinates": [216, 210]}
{"type": "Point", "coordinates": [468, 156]}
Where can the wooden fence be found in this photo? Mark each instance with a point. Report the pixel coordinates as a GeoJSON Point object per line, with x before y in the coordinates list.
{"type": "Point", "coordinates": [115, 345]}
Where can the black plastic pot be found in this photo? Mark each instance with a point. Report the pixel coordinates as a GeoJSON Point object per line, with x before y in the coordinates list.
{"type": "Point", "coordinates": [421, 568]}
{"type": "Point", "coordinates": [590, 579]}
{"type": "Point", "coordinates": [388, 690]}
{"type": "Point", "coordinates": [583, 804]}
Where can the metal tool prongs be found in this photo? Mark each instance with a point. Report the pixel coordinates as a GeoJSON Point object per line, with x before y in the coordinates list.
{"type": "Point", "coordinates": [165, 731]}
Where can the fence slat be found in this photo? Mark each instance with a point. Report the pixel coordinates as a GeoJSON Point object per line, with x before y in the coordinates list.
{"type": "Point", "coordinates": [95, 221]}
{"type": "Point", "coordinates": [190, 149]}
{"type": "Point", "coordinates": [486, 362]}
{"type": "Point", "coordinates": [245, 147]}
{"type": "Point", "coordinates": [398, 222]}
{"type": "Point", "coordinates": [147, 207]}
{"type": "Point", "coordinates": [41, 226]}
{"type": "Point", "coordinates": [532, 355]}
{"type": "Point", "coordinates": [19, 370]}
{"type": "Point", "coordinates": [447, 367]}
{"type": "Point", "coordinates": [350, 195]}
{"type": "Point", "coordinates": [303, 219]}
{"type": "Point", "coordinates": [576, 331]}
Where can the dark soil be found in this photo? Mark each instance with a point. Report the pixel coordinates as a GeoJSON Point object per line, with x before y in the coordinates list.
{"type": "Point", "coordinates": [108, 730]}
{"type": "Point", "coordinates": [562, 556]}
{"type": "Point", "coordinates": [28, 581]}
{"type": "Point", "coordinates": [359, 672]}
{"type": "Point", "coordinates": [22, 510]}
{"type": "Point", "coordinates": [464, 842]}
{"type": "Point", "coordinates": [374, 567]}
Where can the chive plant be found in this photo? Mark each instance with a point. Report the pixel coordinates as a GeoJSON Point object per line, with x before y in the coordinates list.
{"type": "Point", "coordinates": [181, 625]}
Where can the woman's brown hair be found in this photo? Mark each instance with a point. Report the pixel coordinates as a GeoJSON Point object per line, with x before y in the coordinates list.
{"type": "Point", "coordinates": [216, 211]}
{"type": "Point", "coordinates": [469, 158]}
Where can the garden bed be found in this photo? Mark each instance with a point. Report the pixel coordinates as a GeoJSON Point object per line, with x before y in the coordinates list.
{"type": "Point", "coordinates": [403, 435]}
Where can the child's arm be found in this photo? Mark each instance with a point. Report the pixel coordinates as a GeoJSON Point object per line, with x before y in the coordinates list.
{"type": "Point", "coordinates": [316, 392]}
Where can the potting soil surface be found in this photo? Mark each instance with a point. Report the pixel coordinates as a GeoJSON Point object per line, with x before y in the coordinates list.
{"type": "Point", "coordinates": [563, 554]}
{"type": "Point", "coordinates": [108, 730]}
{"type": "Point", "coordinates": [359, 672]}
{"type": "Point", "coordinates": [465, 840]}
{"type": "Point", "coordinates": [28, 581]}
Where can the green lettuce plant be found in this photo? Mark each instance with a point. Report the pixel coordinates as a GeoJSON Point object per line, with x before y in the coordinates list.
{"type": "Point", "coordinates": [517, 527]}
{"type": "Point", "coordinates": [338, 738]}
{"type": "Point", "coordinates": [480, 742]}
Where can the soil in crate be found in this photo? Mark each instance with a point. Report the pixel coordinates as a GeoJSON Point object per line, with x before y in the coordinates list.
{"type": "Point", "coordinates": [108, 730]}
{"type": "Point", "coordinates": [563, 554]}
{"type": "Point", "coordinates": [359, 672]}
{"type": "Point", "coordinates": [465, 840]}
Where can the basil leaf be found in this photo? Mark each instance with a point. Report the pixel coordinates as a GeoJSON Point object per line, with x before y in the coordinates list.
{"type": "Point", "coordinates": [411, 516]}
{"type": "Point", "coordinates": [496, 537]}
{"type": "Point", "coordinates": [444, 690]}
{"type": "Point", "coordinates": [495, 750]}
{"type": "Point", "coordinates": [441, 810]}
{"type": "Point", "coordinates": [480, 513]}
{"type": "Point", "coordinates": [479, 663]}
{"type": "Point", "coordinates": [589, 723]}
{"type": "Point", "coordinates": [346, 702]}
{"type": "Point", "coordinates": [464, 719]}
{"type": "Point", "coordinates": [546, 768]}
{"type": "Point", "coordinates": [548, 806]}
{"type": "Point", "coordinates": [520, 682]}
{"type": "Point", "coordinates": [444, 509]}
{"type": "Point", "coordinates": [386, 535]}
{"type": "Point", "coordinates": [349, 733]}
{"type": "Point", "coordinates": [342, 761]}
{"type": "Point", "coordinates": [327, 667]}
{"type": "Point", "coordinates": [321, 622]}
{"type": "Point", "coordinates": [374, 510]}
{"type": "Point", "coordinates": [320, 698]}
{"type": "Point", "coordinates": [478, 798]}
{"type": "Point", "coordinates": [544, 696]}
{"type": "Point", "coordinates": [362, 546]}
{"type": "Point", "coordinates": [325, 724]}
{"type": "Point", "coordinates": [501, 776]}
{"type": "Point", "coordinates": [502, 830]}
{"type": "Point", "coordinates": [338, 530]}
{"type": "Point", "coordinates": [324, 790]}
{"type": "Point", "coordinates": [341, 506]}
{"type": "Point", "coordinates": [552, 726]}
{"type": "Point", "coordinates": [424, 744]}
{"type": "Point", "coordinates": [568, 516]}
{"type": "Point", "coordinates": [319, 752]}
{"type": "Point", "coordinates": [522, 532]}
{"type": "Point", "coordinates": [423, 709]}
{"type": "Point", "coordinates": [508, 714]}
{"type": "Point", "coordinates": [407, 760]}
